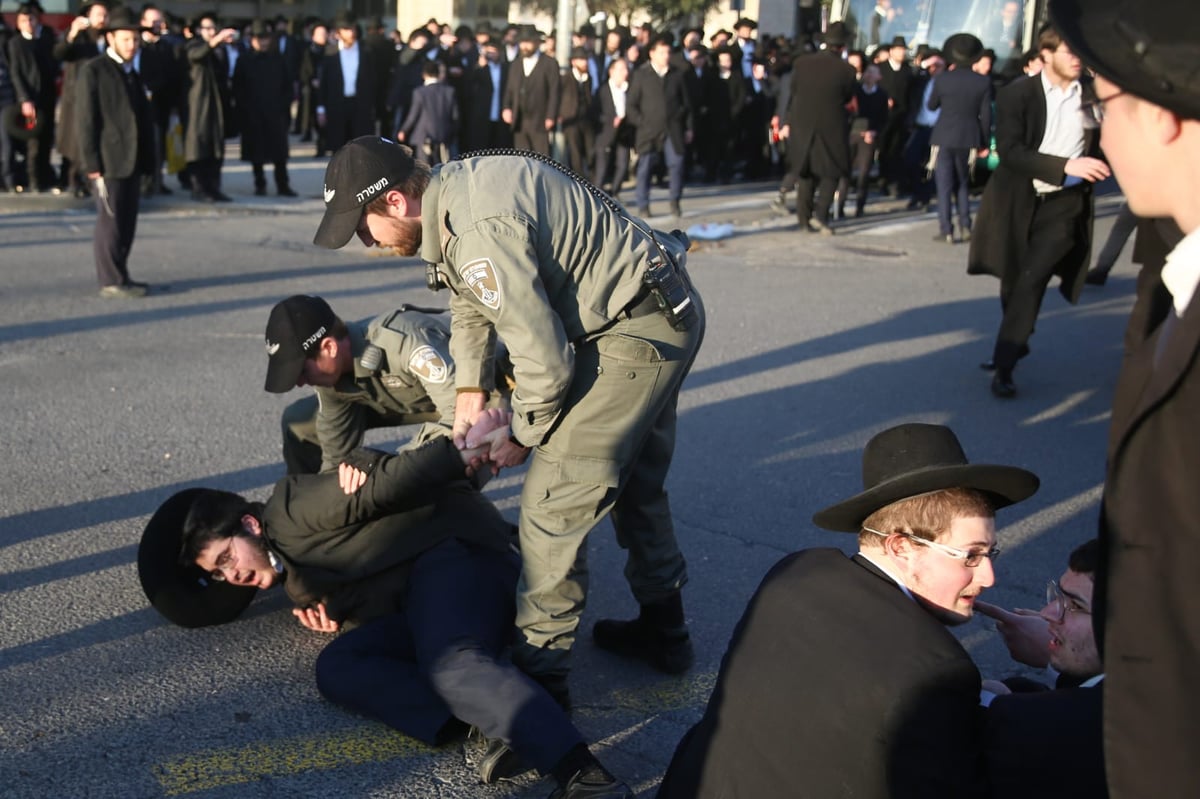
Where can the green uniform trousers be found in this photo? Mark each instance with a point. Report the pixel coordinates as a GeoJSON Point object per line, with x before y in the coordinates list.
{"type": "Point", "coordinates": [610, 450]}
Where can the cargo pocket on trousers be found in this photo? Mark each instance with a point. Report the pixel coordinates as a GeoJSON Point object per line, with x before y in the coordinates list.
{"type": "Point", "coordinates": [583, 490]}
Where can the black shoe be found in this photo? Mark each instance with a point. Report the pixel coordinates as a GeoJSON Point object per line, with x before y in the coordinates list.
{"type": "Point", "coordinates": [202, 197]}
{"type": "Point", "coordinates": [593, 783]}
{"type": "Point", "coordinates": [858, 213]}
{"type": "Point", "coordinates": [286, 191]}
{"type": "Point", "coordinates": [500, 762]}
{"type": "Point", "coordinates": [643, 211]}
{"type": "Point", "coordinates": [1095, 277]}
{"type": "Point", "coordinates": [260, 191]}
{"type": "Point", "coordinates": [128, 291]}
{"type": "Point", "coordinates": [675, 210]}
{"type": "Point", "coordinates": [164, 190]}
{"type": "Point", "coordinates": [1003, 385]}
{"type": "Point", "coordinates": [221, 197]}
{"type": "Point", "coordinates": [668, 650]}
{"type": "Point", "coordinates": [988, 366]}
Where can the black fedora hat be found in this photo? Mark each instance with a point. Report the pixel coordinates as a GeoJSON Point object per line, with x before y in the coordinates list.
{"type": "Point", "coordinates": [898, 41]}
{"type": "Point", "coordinates": [835, 35]}
{"type": "Point", "coordinates": [912, 459]}
{"type": "Point", "coordinates": [14, 123]}
{"type": "Point", "coordinates": [260, 29]}
{"type": "Point", "coordinates": [183, 594]}
{"type": "Point", "coordinates": [1149, 49]}
{"type": "Point", "coordinates": [962, 49]}
{"type": "Point", "coordinates": [122, 19]}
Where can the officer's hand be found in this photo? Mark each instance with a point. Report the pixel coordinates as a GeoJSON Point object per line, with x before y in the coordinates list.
{"type": "Point", "coordinates": [350, 478]}
{"type": "Point", "coordinates": [1090, 169]}
{"type": "Point", "coordinates": [504, 453]}
{"type": "Point", "coordinates": [467, 408]}
{"type": "Point", "coordinates": [316, 619]}
{"type": "Point", "coordinates": [489, 421]}
{"type": "Point", "coordinates": [1025, 633]}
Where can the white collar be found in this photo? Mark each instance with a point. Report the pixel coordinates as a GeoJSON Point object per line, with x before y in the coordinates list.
{"type": "Point", "coordinates": [1092, 682]}
{"type": "Point", "coordinates": [879, 565]}
{"type": "Point", "coordinates": [111, 53]}
{"type": "Point", "coordinates": [1048, 87]}
{"type": "Point", "coordinates": [1181, 274]}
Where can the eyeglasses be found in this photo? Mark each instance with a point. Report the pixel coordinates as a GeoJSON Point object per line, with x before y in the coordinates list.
{"type": "Point", "coordinates": [1093, 110]}
{"type": "Point", "coordinates": [1061, 604]}
{"type": "Point", "coordinates": [970, 557]}
{"type": "Point", "coordinates": [226, 562]}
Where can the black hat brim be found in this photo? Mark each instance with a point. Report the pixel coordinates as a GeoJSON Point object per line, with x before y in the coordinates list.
{"type": "Point", "coordinates": [337, 227]}
{"type": "Point", "coordinates": [1004, 486]}
{"type": "Point", "coordinates": [183, 594]}
{"type": "Point", "coordinates": [283, 374]}
{"type": "Point", "coordinates": [14, 123]}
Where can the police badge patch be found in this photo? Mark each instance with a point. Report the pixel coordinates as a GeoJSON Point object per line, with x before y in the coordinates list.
{"type": "Point", "coordinates": [481, 276]}
{"type": "Point", "coordinates": [426, 363]}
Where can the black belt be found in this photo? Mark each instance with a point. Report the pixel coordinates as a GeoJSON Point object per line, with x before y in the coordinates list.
{"type": "Point", "coordinates": [643, 304]}
{"type": "Point", "coordinates": [1065, 191]}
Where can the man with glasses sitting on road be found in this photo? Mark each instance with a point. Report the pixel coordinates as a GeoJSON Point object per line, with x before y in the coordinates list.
{"type": "Point", "coordinates": [1041, 742]}
{"type": "Point", "coordinates": [841, 678]}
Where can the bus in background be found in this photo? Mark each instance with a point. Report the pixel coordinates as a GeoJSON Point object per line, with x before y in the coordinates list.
{"type": "Point", "coordinates": [56, 14]}
{"type": "Point", "coordinates": [1008, 27]}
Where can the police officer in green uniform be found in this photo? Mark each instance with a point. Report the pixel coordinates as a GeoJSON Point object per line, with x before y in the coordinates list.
{"type": "Point", "coordinates": [388, 371]}
{"type": "Point", "coordinates": [602, 325]}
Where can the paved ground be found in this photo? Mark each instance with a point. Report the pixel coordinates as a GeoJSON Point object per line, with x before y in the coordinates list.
{"type": "Point", "coordinates": [813, 345]}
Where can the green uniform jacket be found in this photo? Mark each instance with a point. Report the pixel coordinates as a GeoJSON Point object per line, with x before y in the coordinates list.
{"type": "Point", "coordinates": [353, 552]}
{"type": "Point", "coordinates": [414, 381]}
{"type": "Point", "coordinates": [536, 258]}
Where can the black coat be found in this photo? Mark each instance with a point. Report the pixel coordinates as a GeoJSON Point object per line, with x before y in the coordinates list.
{"type": "Point", "coordinates": [162, 76]}
{"type": "Point", "coordinates": [361, 114]}
{"type": "Point", "coordinates": [352, 552]}
{"type": "Point", "coordinates": [1001, 235]}
{"type": "Point", "coordinates": [965, 100]}
{"type": "Point", "coordinates": [898, 84]}
{"type": "Point", "coordinates": [604, 112]}
{"type": "Point", "coordinates": [115, 131]}
{"type": "Point", "coordinates": [532, 99]}
{"type": "Point", "coordinates": [1146, 606]}
{"type": "Point", "coordinates": [658, 108]}
{"type": "Point", "coordinates": [263, 89]}
{"type": "Point", "coordinates": [575, 100]}
{"type": "Point", "coordinates": [819, 132]}
{"type": "Point", "coordinates": [835, 685]}
{"type": "Point", "coordinates": [204, 135]}
{"type": "Point", "coordinates": [1045, 745]}
{"type": "Point", "coordinates": [73, 55]}
{"type": "Point", "coordinates": [478, 105]}
{"type": "Point", "coordinates": [33, 68]}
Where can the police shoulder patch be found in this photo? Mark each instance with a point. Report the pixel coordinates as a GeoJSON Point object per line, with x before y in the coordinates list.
{"type": "Point", "coordinates": [426, 363]}
{"type": "Point", "coordinates": [481, 276]}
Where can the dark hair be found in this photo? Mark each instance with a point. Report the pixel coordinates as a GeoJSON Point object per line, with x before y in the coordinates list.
{"type": "Point", "coordinates": [1030, 57]}
{"type": "Point", "coordinates": [1049, 38]}
{"type": "Point", "coordinates": [431, 69]}
{"type": "Point", "coordinates": [1085, 558]}
{"type": "Point", "coordinates": [214, 515]}
{"type": "Point", "coordinates": [661, 40]}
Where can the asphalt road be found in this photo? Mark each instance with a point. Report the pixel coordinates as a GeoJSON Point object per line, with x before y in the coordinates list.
{"type": "Point", "coordinates": [813, 345]}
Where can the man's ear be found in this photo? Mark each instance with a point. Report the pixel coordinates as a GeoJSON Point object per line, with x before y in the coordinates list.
{"type": "Point", "coordinates": [251, 525]}
{"type": "Point", "coordinates": [329, 347]}
{"type": "Point", "coordinates": [898, 547]}
{"type": "Point", "coordinates": [397, 203]}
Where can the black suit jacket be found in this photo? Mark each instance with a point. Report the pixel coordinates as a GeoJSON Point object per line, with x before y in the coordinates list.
{"type": "Point", "coordinates": [432, 116]}
{"type": "Point", "coordinates": [1146, 606]}
{"type": "Point", "coordinates": [835, 684]}
{"type": "Point", "coordinates": [604, 112]}
{"type": "Point", "coordinates": [535, 98]}
{"type": "Point", "coordinates": [353, 552]}
{"type": "Point", "coordinates": [115, 132]}
{"type": "Point", "coordinates": [965, 99]}
{"type": "Point", "coordinates": [360, 114]}
{"type": "Point", "coordinates": [1001, 234]}
{"type": "Point", "coordinates": [1045, 745]}
{"type": "Point", "coordinates": [658, 108]}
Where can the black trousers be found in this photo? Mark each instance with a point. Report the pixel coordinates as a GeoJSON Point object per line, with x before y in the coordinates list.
{"type": "Point", "coordinates": [532, 136]}
{"type": "Point", "coordinates": [442, 657]}
{"type": "Point", "coordinates": [281, 175]}
{"type": "Point", "coordinates": [805, 205]}
{"type": "Point", "coordinates": [37, 151]}
{"type": "Point", "coordinates": [951, 176]}
{"type": "Point", "coordinates": [581, 141]}
{"type": "Point", "coordinates": [916, 156]}
{"type": "Point", "coordinates": [612, 159]}
{"type": "Point", "coordinates": [1052, 237]}
{"type": "Point", "coordinates": [116, 222]}
{"type": "Point", "coordinates": [862, 155]}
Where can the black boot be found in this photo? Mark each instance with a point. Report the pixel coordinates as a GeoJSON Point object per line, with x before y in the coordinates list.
{"type": "Point", "coordinates": [581, 776]}
{"type": "Point", "coordinates": [658, 636]}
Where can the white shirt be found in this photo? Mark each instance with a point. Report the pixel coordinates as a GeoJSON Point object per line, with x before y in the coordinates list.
{"type": "Point", "coordinates": [1064, 127]}
{"type": "Point", "coordinates": [1181, 274]}
{"type": "Point", "coordinates": [618, 94]}
{"type": "Point", "coordinates": [527, 64]}
{"type": "Point", "coordinates": [349, 57]}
